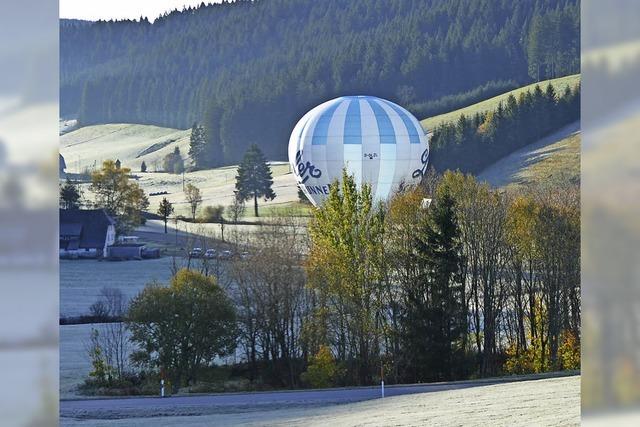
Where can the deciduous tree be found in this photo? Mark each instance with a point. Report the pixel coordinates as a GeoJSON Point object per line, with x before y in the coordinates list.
{"type": "Point", "coordinates": [183, 327]}
{"type": "Point", "coordinates": [123, 199]}
{"type": "Point", "coordinates": [194, 198]}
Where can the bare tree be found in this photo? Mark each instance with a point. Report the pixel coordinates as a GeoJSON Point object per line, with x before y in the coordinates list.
{"type": "Point", "coordinates": [110, 340]}
{"type": "Point", "coordinates": [272, 300]}
{"type": "Point", "coordinates": [236, 209]}
{"type": "Point", "coordinates": [194, 198]}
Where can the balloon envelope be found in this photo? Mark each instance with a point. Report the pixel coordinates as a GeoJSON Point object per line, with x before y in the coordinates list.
{"type": "Point", "coordinates": [377, 141]}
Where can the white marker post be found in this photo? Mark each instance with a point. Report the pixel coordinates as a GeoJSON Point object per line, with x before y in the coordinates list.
{"type": "Point", "coordinates": [161, 388]}
{"type": "Point", "coordinates": [382, 379]}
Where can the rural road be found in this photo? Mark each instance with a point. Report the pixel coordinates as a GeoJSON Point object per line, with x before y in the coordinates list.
{"type": "Point", "coordinates": [245, 402]}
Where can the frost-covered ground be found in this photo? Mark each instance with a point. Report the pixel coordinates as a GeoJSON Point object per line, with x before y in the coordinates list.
{"type": "Point", "coordinates": [82, 280]}
{"type": "Point", "coordinates": [74, 361]}
{"type": "Point", "coordinates": [89, 146]}
{"type": "Point", "coordinates": [551, 157]}
{"type": "Point", "coordinates": [547, 402]}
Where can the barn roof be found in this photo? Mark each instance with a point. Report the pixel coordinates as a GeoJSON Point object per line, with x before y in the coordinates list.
{"type": "Point", "coordinates": [89, 226]}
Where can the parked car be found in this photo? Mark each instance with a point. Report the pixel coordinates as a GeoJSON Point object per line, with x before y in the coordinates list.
{"type": "Point", "coordinates": [210, 253]}
{"type": "Point", "coordinates": [226, 254]}
{"type": "Point", "coordinates": [244, 255]}
{"type": "Point", "coordinates": [195, 253]}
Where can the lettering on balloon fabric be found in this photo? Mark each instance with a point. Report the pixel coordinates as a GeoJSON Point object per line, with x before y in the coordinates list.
{"type": "Point", "coordinates": [419, 173]}
{"type": "Point", "coordinates": [306, 170]}
{"type": "Point", "coordinates": [318, 189]}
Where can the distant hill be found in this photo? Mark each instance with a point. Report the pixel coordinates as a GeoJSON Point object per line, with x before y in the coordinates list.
{"type": "Point", "coordinates": [552, 159]}
{"type": "Point", "coordinates": [133, 143]}
{"type": "Point", "coordinates": [130, 143]}
{"type": "Point", "coordinates": [492, 103]}
{"type": "Point", "coordinates": [248, 70]}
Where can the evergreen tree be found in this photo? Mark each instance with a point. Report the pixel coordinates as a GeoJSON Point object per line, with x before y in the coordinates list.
{"type": "Point", "coordinates": [435, 316]}
{"type": "Point", "coordinates": [70, 195]}
{"type": "Point", "coordinates": [197, 146]}
{"type": "Point", "coordinates": [165, 209]}
{"type": "Point", "coordinates": [254, 178]}
{"type": "Point", "coordinates": [213, 152]}
{"type": "Point", "coordinates": [143, 166]}
{"type": "Point", "coordinates": [118, 164]}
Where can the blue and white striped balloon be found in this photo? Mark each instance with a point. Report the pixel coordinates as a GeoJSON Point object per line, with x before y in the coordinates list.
{"type": "Point", "coordinates": [377, 141]}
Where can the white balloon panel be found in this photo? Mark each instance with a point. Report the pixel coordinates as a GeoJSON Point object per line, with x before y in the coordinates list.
{"type": "Point", "coordinates": [377, 141]}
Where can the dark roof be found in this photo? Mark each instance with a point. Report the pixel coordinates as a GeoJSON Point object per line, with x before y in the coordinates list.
{"type": "Point", "coordinates": [90, 226]}
{"type": "Point", "coordinates": [70, 229]}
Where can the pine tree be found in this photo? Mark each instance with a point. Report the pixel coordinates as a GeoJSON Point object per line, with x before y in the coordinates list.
{"type": "Point", "coordinates": [213, 152]}
{"type": "Point", "coordinates": [254, 178]}
{"type": "Point", "coordinates": [165, 209]}
{"type": "Point", "coordinates": [143, 166]}
{"type": "Point", "coordinates": [197, 146]}
{"type": "Point", "coordinates": [70, 195]}
{"type": "Point", "coordinates": [435, 312]}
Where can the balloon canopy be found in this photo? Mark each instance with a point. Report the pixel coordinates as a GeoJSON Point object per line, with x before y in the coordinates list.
{"type": "Point", "coordinates": [377, 141]}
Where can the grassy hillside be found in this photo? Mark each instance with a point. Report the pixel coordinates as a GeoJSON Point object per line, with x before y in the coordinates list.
{"type": "Point", "coordinates": [492, 103]}
{"type": "Point", "coordinates": [554, 158]}
{"type": "Point", "coordinates": [131, 143]}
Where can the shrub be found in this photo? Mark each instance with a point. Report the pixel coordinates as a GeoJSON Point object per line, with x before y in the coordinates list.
{"type": "Point", "coordinates": [569, 351]}
{"type": "Point", "coordinates": [211, 214]}
{"type": "Point", "coordinates": [322, 370]}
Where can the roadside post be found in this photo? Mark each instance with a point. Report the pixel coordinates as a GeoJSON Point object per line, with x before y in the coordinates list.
{"type": "Point", "coordinates": [161, 388]}
{"type": "Point", "coordinates": [382, 379]}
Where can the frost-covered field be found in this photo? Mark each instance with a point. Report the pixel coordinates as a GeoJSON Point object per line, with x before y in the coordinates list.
{"type": "Point", "coordinates": [217, 187]}
{"type": "Point", "coordinates": [74, 361]}
{"type": "Point", "coordinates": [555, 156]}
{"type": "Point", "coordinates": [548, 402]}
{"type": "Point", "coordinates": [82, 280]}
{"type": "Point", "coordinates": [131, 143]}
{"type": "Point", "coordinates": [89, 146]}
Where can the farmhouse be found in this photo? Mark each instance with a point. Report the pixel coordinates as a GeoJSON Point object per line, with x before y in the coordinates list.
{"type": "Point", "coordinates": [86, 233]}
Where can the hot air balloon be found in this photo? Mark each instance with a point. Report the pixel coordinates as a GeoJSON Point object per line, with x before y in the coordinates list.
{"type": "Point", "coordinates": [377, 141]}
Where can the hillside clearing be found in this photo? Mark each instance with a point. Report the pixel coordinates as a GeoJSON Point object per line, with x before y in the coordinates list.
{"type": "Point", "coordinates": [556, 157]}
{"type": "Point", "coordinates": [89, 146]}
{"type": "Point", "coordinates": [492, 103]}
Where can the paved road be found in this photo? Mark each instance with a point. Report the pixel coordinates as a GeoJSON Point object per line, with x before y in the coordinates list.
{"type": "Point", "coordinates": [243, 402]}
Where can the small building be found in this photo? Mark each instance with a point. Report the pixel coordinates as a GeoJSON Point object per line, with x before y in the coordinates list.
{"type": "Point", "coordinates": [86, 233]}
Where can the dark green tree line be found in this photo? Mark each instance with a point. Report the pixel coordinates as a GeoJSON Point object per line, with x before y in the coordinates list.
{"type": "Point", "coordinates": [470, 144]}
{"type": "Point", "coordinates": [247, 70]}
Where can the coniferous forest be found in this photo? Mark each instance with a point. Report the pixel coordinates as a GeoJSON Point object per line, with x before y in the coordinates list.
{"type": "Point", "coordinates": [248, 70]}
{"type": "Point", "coordinates": [471, 144]}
